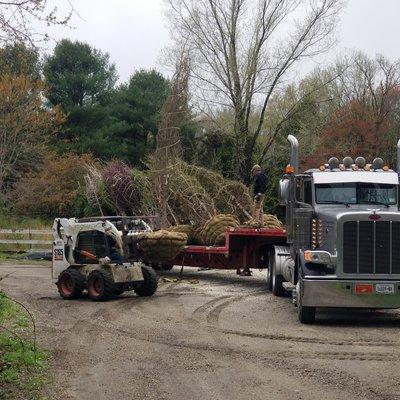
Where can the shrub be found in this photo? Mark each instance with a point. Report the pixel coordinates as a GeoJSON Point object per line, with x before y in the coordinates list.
{"type": "Point", "coordinates": [55, 190]}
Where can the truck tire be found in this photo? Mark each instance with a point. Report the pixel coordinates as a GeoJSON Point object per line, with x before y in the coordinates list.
{"type": "Point", "coordinates": [305, 314]}
{"type": "Point", "coordinates": [100, 285]}
{"type": "Point", "coordinates": [269, 271]}
{"type": "Point", "coordinates": [277, 281]}
{"type": "Point", "coordinates": [71, 284]}
{"type": "Point", "coordinates": [149, 286]}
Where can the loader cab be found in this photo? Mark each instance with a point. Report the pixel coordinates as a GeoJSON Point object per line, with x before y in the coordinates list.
{"type": "Point", "coordinates": [92, 242]}
{"type": "Point", "coordinates": [98, 244]}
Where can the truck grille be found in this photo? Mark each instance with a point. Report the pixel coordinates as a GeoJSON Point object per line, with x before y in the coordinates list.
{"type": "Point", "coordinates": [371, 247]}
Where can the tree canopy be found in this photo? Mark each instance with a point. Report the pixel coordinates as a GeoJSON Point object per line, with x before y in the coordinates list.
{"type": "Point", "coordinates": [78, 75]}
{"type": "Point", "coordinates": [18, 59]}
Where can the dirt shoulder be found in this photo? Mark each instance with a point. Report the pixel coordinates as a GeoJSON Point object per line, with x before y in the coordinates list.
{"type": "Point", "coordinates": [221, 338]}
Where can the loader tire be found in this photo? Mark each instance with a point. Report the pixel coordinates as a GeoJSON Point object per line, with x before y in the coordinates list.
{"type": "Point", "coordinates": [100, 285]}
{"type": "Point", "coordinates": [71, 284]}
{"type": "Point", "coordinates": [149, 286]}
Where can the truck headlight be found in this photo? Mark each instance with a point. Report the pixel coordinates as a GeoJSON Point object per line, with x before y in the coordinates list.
{"type": "Point", "coordinates": [318, 257]}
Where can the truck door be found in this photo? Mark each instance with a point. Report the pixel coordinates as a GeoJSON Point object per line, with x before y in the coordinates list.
{"type": "Point", "coordinates": [302, 213]}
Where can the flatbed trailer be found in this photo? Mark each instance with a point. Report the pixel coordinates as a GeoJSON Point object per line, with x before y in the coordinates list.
{"type": "Point", "coordinates": [244, 248]}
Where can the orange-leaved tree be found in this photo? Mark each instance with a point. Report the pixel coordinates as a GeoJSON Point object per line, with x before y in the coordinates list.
{"type": "Point", "coordinates": [366, 121]}
{"type": "Point", "coordinates": [26, 126]}
{"type": "Point", "coordinates": [57, 189]}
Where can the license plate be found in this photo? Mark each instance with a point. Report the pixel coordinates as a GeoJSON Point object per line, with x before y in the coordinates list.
{"type": "Point", "coordinates": [384, 288]}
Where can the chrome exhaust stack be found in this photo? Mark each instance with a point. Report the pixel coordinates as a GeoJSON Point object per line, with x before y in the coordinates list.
{"type": "Point", "coordinates": [398, 157]}
{"type": "Point", "coordinates": [294, 153]}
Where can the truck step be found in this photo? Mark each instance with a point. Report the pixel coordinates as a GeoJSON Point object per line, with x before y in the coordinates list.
{"type": "Point", "coordinates": [288, 286]}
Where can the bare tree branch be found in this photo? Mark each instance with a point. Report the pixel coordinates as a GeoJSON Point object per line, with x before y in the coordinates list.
{"type": "Point", "coordinates": [241, 49]}
{"type": "Point", "coordinates": [18, 16]}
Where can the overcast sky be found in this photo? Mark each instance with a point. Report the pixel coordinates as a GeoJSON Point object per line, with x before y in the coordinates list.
{"type": "Point", "coordinates": [134, 32]}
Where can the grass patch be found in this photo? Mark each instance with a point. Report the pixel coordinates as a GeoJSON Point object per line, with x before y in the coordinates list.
{"type": "Point", "coordinates": [22, 366]}
{"type": "Point", "coordinates": [22, 222]}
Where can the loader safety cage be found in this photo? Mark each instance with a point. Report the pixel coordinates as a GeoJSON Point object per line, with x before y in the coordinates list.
{"type": "Point", "coordinates": [244, 248]}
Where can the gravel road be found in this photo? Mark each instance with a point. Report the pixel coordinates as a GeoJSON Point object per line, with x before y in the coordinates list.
{"type": "Point", "coordinates": [212, 336]}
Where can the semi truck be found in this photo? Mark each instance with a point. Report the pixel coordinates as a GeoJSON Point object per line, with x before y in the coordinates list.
{"type": "Point", "coordinates": [343, 235]}
{"type": "Point", "coordinates": [341, 244]}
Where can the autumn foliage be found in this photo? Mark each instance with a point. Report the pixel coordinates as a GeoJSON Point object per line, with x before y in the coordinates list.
{"type": "Point", "coordinates": [54, 190]}
{"type": "Point", "coordinates": [26, 126]}
{"type": "Point", "coordinates": [359, 129]}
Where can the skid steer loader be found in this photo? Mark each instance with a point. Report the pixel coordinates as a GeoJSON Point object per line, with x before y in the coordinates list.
{"type": "Point", "coordinates": [99, 256]}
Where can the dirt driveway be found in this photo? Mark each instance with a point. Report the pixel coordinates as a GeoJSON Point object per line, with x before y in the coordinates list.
{"type": "Point", "coordinates": [222, 338]}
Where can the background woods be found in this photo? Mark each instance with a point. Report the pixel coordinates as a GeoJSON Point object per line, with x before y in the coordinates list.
{"type": "Point", "coordinates": [71, 130]}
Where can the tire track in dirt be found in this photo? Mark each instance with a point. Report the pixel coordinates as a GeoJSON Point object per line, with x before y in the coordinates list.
{"type": "Point", "coordinates": [199, 312]}
{"type": "Point", "coordinates": [272, 354]}
{"type": "Point", "coordinates": [213, 315]}
{"type": "Point", "coordinates": [297, 339]}
{"type": "Point", "coordinates": [211, 311]}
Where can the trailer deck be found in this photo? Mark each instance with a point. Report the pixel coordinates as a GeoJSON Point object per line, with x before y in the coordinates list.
{"type": "Point", "coordinates": [244, 248]}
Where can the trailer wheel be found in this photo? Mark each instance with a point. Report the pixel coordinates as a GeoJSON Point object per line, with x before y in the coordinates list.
{"type": "Point", "coordinates": [71, 284]}
{"type": "Point", "coordinates": [100, 285]}
{"type": "Point", "coordinates": [277, 280]}
{"type": "Point", "coordinates": [149, 286]}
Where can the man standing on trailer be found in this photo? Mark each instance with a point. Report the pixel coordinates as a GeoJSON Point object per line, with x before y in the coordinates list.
{"type": "Point", "coordinates": [259, 189]}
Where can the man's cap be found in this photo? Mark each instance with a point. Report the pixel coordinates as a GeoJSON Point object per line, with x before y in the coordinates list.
{"type": "Point", "coordinates": [255, 168]}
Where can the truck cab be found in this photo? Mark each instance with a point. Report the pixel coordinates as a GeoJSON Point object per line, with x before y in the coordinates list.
{"type": "Point", "coordinates": [343, 229]}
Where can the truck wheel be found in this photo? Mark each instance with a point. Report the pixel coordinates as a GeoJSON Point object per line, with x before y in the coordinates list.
{"type": "Point", "coordinates": [277, 281]}
{"type": "Point", "coordinates": [269, 271]}
{"type": "Point", "coordinates": [269, 279]}
{"type": "Point", "coordinates": [71, 284]}
{"type": "Point", "coordinates": [306, 314]}
{"type": "Point", "coordinates": [149, 286]}
{"type": "Point", "coordinates": [100, 285]}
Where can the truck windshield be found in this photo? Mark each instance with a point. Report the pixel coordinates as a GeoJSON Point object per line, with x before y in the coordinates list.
{"type": "Point", "coordinates": [356, 193]}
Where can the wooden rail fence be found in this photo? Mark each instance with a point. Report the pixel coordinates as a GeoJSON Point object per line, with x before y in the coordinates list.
{"type": "Point", "coordinates": [18, 240]}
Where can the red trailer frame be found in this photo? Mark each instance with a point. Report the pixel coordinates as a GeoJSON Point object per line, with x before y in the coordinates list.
{"type": "Point", "coordinates": [244, 248]}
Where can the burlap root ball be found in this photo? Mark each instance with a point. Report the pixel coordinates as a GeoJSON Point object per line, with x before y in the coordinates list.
{"type": "Point", "coordinates": [187, 229]}
{"type": "Point", "coordinates": [162, 245]}
{"type": "Point", "coordinates": [213, 232]}
{"type": "Point", "coordinates": [270, 222]}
